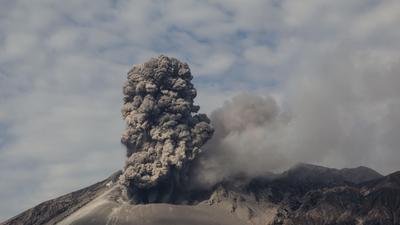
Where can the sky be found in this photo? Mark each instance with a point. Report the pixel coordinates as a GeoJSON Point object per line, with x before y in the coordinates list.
{"type": "Point", "coordinates": [332, 65]}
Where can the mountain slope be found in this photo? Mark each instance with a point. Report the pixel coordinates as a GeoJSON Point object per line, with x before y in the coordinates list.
{"type": "Point", "coordinates": [52, 211]}
{"type": "Point", "coordinates": [305, 194]}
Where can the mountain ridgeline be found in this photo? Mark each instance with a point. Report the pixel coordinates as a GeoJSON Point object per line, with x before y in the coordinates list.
{"type": "Point", "coordinates": [304, 194]}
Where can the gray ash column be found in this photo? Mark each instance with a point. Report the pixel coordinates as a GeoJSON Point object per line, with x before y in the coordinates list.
{"type": "Point", "coordinates": [164, 132]}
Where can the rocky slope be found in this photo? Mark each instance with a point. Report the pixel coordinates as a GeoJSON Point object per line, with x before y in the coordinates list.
{"type": "Point", "coordinates": [52, 211]}
{"type": "Point", "coordinates": [305, 194]}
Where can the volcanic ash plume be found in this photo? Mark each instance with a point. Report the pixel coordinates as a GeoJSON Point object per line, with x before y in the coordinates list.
{"type": "Point", "coordinates": [164, 132]}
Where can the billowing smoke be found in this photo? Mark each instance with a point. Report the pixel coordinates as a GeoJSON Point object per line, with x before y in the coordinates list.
{"type": "Point", "coordinates": [343, 113]}
{"type": "Point", "coordinates": [164, 132]}
{"type": "Point", "coordinates": [249, 133]}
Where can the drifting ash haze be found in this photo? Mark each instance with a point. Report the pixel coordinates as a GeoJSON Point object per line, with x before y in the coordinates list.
{"type": "Point", "coordinates": [250, 132]}
{"type": "Point", "coordinates": [344, 112]}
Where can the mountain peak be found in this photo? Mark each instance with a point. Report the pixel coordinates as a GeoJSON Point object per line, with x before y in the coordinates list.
{"type": "Point", "coordinates": [360, 174]}
{"type": "Point", "coordinates": [312, 172]}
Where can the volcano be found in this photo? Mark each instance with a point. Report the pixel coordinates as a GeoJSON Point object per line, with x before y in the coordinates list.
{"type": "Point", "coordinates": [304, 194]}
{"type": "Point", "coordinates": [164, 138]}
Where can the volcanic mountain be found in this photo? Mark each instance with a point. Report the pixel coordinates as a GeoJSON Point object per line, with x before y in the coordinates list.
{"type": "Point", "coordinates": [304, 194]}
{"type": "Point", "coordinates": [164, 138]}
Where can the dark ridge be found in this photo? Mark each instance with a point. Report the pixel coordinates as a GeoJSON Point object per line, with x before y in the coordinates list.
{"type": "Point", "coordinates": [391, 180]}
{"type": "Point", "coordinates": [359, 174]}
{"type": "Point", "coordinates": [324, 174]}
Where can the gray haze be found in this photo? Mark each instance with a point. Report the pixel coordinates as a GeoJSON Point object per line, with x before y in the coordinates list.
{"type": "Point", "coordinates": [346, 110]}
{"type": "Point", "coordinates": [349, 117]}
{"type": "Point", "coordinates": [248, 140]}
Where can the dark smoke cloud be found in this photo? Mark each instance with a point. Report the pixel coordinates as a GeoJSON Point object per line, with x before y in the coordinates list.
{"type": "Point", "coordinates": [164, 132]}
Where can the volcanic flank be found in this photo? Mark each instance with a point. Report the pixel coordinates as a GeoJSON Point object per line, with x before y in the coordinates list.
{"type": "Point", "coordinates": [164, 136]}
{"type": "Point", "coordinates": [164, 133]}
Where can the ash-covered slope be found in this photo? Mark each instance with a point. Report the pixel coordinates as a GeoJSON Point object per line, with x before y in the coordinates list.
{"type": "Point", "coordinates": [283, 199]}
{"type": "Point", "coordinates": [53, 211]}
